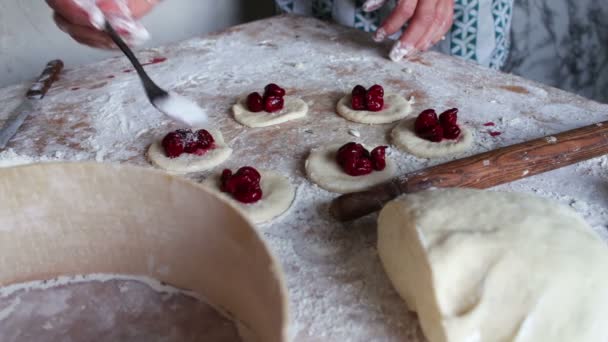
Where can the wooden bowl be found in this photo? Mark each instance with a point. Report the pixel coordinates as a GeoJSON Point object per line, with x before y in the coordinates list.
{"type": "Point", "coordinates": [85, 218]}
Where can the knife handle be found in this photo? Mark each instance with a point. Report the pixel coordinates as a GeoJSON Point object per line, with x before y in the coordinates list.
{"type": "Point", "coordinates": [45, 81]}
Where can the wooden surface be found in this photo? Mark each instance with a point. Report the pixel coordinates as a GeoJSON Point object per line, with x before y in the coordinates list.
{"type": "Point", "coordinates": [338, 290]}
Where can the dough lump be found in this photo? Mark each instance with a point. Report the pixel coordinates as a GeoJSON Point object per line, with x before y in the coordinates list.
{"type": "Point", "coordinates": [277, 196]}
{"type": "Point", "coordinates": [494, 266]}
{"type": "Point", "coordinates": [405, 139]}
{"type": "Point", "coordinates": [322, 168]}
{"type": "Point", "coordinates": [395, 108]}
{"type": "Point", "coordinates": [294, 108]}
{"type": "Point", "coordinates": [187, 163]}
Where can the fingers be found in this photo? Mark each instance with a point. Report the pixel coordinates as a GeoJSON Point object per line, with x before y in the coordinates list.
{"type": "Point", "coordinates": [70, 12]}
{"type": "Point", "coordinates": [372, 5]}
{"type": "Point", "coordinates": [445, 13]}
{"type": "Point", "coordinates": [431, 20]}
{"type": "Point", "coordinates": [423, 21]}
{"type": "Point", "coordinates": [86, 35]}
{"type": "Point", "coordinates": [399, 16]}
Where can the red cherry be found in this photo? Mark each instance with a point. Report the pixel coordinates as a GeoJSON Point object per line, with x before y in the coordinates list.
{"type": "Point", "coordinates": [434, 134]}
{"type": "Point", "coordinates": [273, 90]}
{"type": "Point", "coordinates": [374, 103]}
{"type": "Point", "coordinates": [358, 102]}
{"type": "Point", "coordinates": [273, 103]}
{"type": "Point", "coordinates": [244, 185]}
{"type": "Point", "coordinates": [250, 172]}
{"type": "Point", "coordinates": [349, 150]}
{"type": "Point", "coordinates": [363, 166]}
{"type": "Point", "coordinates": [378, 157]}
{"type": "Point", "coordinates": [377, 90]}
{"type": "Point", "coordinates": [250, 194]}
{"type": "Point", "coordinates": [174, 144]}
{"type": "Point", "coordinates": [449, 117]}
{"type": "Point", "coordinates": [451, 132]}
{"type": "Point", "coordinates": [205, 139]}
{"type": "Point", "coordinates": [358, 90]}
{"type": "Point", "coordinates": [255, 102]}
{"type": "Point", "coordinates": [426, 120]}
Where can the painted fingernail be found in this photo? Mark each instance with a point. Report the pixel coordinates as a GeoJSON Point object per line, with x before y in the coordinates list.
{"type": "Point", "coordinates": [400, 50]}
{"type": "Point", "coordinates": [372, 5]}
{"type": "Point", "coordinates": [134, 32]}
{"type": "Point", "coordinates": [380, 35]}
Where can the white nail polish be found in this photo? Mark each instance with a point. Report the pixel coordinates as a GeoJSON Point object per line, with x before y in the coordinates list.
{"type": "Point", "coordinates": [379, 36]}
{"type": "Point", "coordinates": [372, 5]}
{"type": "Point", "coordinates": [137, 33]}
{"type": "Point", "coordinates": [399, 51]}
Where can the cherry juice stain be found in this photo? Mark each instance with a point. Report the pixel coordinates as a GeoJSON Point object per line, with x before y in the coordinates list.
{"type": "Point", "coordinates": [155, 60]}
{"type": "Point", "coordinates": [488, 124]}
{"type": "Point", "coordinates": [494, 133]}
{"type": "Point", "coordinates": [111, 76]}
{"type": "Point", "coordinates": [75, 88]}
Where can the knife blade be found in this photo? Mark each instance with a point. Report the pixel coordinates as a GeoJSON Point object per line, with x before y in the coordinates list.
{"type": "Point", "coordinates": [36, 93]}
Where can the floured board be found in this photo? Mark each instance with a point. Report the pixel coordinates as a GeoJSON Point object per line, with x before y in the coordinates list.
{"type": "Point", "coordinates": [338, 290]}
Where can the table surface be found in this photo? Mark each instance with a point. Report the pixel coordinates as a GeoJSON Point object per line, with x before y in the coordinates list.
{"type": "Point", "coordinates": [337, 288]}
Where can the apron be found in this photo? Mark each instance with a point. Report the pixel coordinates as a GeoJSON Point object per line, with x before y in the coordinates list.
{"type": "Point", "coordinates": [480, 33]}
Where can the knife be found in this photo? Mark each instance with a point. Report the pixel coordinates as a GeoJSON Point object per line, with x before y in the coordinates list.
{"type": "Point", "coordinates": [34, 94]}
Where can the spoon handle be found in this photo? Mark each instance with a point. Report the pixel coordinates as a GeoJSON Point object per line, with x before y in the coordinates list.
{"type": "Point", "coordinates": [152, 90]}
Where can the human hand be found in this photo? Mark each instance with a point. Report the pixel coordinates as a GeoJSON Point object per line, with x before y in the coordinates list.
{"type": "Point", "coordinates": [429, 20]}
{"type": "Point", "coordinates": [84, 20]}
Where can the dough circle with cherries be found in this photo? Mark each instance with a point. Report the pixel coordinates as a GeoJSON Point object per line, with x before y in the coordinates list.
{"type": "Point", "coordinates": [395, 109]}
{"type": "Point", "coordinates": [404, 138]}
{"type": "Point", "coordinates": [277, 196]}
{"type": "Point", "coordinates": [322, 169]}
{"type": "Point", "coordinates": [186, 162]}
{"type": "Point", "coordinates": [294, 108]}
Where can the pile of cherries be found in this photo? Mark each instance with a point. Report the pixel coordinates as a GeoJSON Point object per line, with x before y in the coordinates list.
{"type": "Point", "coordinates": [371, 99]}
{"type": "Point", "coordinates": [244, 185]}
{"type": "Point", "coordinates": [432, 128]}
{"type": "Point", "coordinates": [183, 141]}
{"type": "Point", "coordinates": [355, 160]}
{"type": "Point", "coordinates": [272, 101]}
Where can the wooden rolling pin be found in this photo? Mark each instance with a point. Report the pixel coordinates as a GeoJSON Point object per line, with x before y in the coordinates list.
{"type": "Point", "coordinates": [484, 170]}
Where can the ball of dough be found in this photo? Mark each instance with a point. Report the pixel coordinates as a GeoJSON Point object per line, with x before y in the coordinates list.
{"type": "Point", "coordinates": [405, 138]}
{"type": "Point", "coordinates": [294, 108]}
{"type": "Point", "coordinates": [322, 168]}
{"type": "Point", "coordinates": [277, 196]}
{"type": "Point", "coordinates": [395, 108]}
{"type": "Point", "coordinates": [187, 163]}
{"type": "Point", "coordinates": [493, 266]}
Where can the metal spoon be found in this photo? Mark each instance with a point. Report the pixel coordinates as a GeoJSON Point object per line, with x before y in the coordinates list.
{"type": "Point", "coordinates": [170, 103]}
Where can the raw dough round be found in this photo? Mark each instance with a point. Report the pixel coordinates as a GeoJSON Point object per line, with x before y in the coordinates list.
{"type": "Point", "coordinates": [395, 108]}
{"type": "Point", "coordinates": [277, 196]}
{"type": "Point", "coordinates": [293, 109]}
{"type": "Point", "coordinates": [405, 138]}
{"type": "Point", "coordinates": [322, 168]}
{"type": "Point", "coordinates": [189, 162]}
{"type": "Point", "coordinates": [495, 266]}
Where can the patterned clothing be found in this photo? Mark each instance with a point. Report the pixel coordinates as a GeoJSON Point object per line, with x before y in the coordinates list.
{"type": "Point", "coordinates": [481, 29]}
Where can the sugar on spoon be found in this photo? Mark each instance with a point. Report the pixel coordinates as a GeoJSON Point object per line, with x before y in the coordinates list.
{"type": "Point", "coordinates": [170, 103]}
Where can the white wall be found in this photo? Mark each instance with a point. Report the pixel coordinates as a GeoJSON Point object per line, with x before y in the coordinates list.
{"type": "Point", "coordinates": [29, 37]}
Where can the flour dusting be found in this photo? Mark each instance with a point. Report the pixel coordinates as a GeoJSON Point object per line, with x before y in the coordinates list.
{"type": "Point", "coordinates": [337, 288]}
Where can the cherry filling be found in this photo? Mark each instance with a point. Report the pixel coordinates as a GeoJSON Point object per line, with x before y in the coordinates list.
{"type": "Point", "coordinates": [244, 185]}
{"type": "Point", "coordinates": [432, 128]}
{"type": "Point", "coordinates": [183, 141]}
{"type": "Point", "coordinates": [272, 101]}
{"type": "Point", "coordinates": [371, 99]}
{"type": "Point", "coordinates": [355, 160]}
